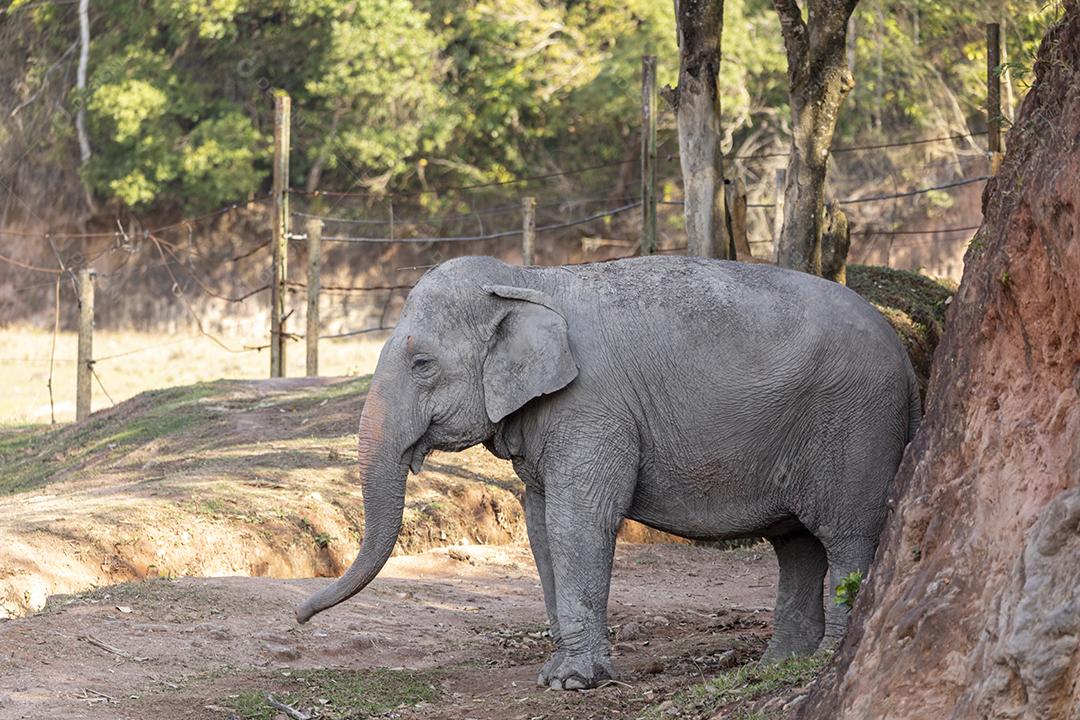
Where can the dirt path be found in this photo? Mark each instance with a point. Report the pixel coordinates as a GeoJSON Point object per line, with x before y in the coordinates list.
{"type": "Point", "coordinates": [460, 625]}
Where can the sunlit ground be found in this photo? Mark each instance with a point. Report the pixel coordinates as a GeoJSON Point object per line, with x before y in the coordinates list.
{"type": "Point", "coordinates": [163, 360]}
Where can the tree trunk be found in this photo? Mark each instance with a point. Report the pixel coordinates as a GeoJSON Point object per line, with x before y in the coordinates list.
{"type": "Point", "coordinates": [970, 610]}
{"type": "Point", "coordinates": [697, 107]}
{"type": "Point", "coordinates": [80, 84]}
{"type": "Point", "coordinates": [819, 80]}
{"type": "Point", "coordinates": [835, 242]}
{"type": "Point", "coordinates": [315, 173]}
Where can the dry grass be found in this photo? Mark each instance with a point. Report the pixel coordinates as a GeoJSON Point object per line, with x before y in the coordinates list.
{"type": "Point", "coordinates": [165, 360]}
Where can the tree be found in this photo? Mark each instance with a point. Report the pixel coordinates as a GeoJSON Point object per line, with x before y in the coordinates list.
{"type": "Point", "coordinates": [80, 85]}
{"type": "Point", "coordinates": [819, 79]}
{"type": "Point", "coordinates": [970, 607]}
{"type": "Point", "coordinates": [696, 100]}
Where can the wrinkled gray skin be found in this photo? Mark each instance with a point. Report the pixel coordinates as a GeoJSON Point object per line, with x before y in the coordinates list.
{"type": "Point", "coordinates": [710, 399]}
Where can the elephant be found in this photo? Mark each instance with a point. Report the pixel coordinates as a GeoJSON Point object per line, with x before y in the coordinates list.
{"type": "Point", "coordinates": [705, 398]}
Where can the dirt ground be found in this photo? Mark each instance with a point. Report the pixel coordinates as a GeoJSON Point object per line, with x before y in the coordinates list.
{"type": "Point", "coordinates": [180, 518]}
{"type": "Point", "coordinates": [459, 627]}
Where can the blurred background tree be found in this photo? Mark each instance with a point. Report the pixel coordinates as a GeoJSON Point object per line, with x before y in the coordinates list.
{"type": "Point", "coordinates": [397, 95]}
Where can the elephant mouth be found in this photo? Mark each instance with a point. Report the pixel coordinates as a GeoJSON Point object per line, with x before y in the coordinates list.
{"type": "Point", "coordinates": [415, 455]}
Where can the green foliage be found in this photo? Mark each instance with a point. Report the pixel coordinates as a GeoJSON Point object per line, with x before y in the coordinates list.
{"type": "Point", "coordinates": [376, 100]}
{"type": "Point", "coordinates": [220, 158]}
{"type": "Point", "coordinates": [922, 66]}
{"type": "Point", "coordinates": [848, 589]}
{"type": "Point", "coordinates": [400, 94]}
{"type": "Point", "coordinates": [340, 694]}
{"type": "Point", "coordinates": [742, 685]}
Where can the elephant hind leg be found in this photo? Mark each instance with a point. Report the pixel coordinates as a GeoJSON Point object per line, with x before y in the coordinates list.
{"type": "Point", "coordinates": [799, 617]}
{"type": "Point", "coordinates": [853, 554]}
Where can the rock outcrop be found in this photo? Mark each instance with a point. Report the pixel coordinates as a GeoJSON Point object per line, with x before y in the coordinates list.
{"type": "Point", "coordinates": [972, 609]}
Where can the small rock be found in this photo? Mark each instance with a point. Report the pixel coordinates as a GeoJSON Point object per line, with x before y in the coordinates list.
{"type": "Point", "coordinates": [726, 660]}
{"type": "Point", "coordinates": [794, 702]}
{"type": "Point", "coordinates": [35, 597]}
{"type": "Point", "coordinates": [661, 620]}
{"type": "Point", "coordinates": [668, 708]}
{"type": "Point", "coordinates": [654, 668]}
{"type": "Point", "coordinates": [281, 652]}
{"type": "Point", "coordinates": [4, 700]}
{"type": "Point", "coordinates": [460, 555]}
{"type": "Point", "coordinates": [630, 631]}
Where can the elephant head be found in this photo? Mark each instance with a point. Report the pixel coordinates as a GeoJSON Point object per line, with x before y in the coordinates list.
{"type": "Point", "coordinates": [466, 353]}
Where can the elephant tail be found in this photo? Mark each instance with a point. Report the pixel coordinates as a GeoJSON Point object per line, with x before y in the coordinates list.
{"type": "Point", "coordinates": [914, 405]}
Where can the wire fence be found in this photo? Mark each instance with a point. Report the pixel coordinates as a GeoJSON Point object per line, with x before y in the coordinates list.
{"type": "Point", "coordinates": [188, 268]}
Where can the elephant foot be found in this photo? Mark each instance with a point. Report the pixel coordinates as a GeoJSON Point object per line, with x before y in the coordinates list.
{"type": "Point", "coordinates": [829, 643]}
{"type": "Point", "coordinates": [580, 672]}
{"type": "Point", "coordinates": [779, 649]}
{"type": "Point", "coordinates": [548, 671]}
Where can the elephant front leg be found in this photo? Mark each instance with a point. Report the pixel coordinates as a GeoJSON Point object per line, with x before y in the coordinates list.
{"type": "Point", "coordinates": [536, 524]}
{"type": "Point", "coordinates": [583, 549]}
{"type": "Point", "coordinates": [583, 516]}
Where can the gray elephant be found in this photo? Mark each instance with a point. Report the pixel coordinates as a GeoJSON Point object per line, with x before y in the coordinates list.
{"type": "Point", "coordinates": [709, 399]}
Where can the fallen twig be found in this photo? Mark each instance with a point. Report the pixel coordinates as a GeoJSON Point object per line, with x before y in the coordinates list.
{"type": "Point", "coordinates": [109, 648]}
{"type": "Point", "coordinates": [97, 696]}
{"type": "Point", "coordinates": [288, 710]}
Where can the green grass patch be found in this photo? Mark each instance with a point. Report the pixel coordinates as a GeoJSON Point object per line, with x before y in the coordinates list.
{"type": "Point", "coordinates": [743, 685]}
{"type": "Point", "coordinates": [311, 397]}
{"type": "Point", "coordinates": [17, 438]}
{"type": "Point", "coordinates": [913, 304]}
{"type": "Point", "coordinates": [339, 694]}
{"type": "Point", "coordinates": [149, 591]}
{"type": "Point", "coordinates": [32, 458]}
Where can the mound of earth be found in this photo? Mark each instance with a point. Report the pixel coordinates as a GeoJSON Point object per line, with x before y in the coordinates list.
{"type": "Point", "coordinates": [913, 304]}
{"type": "Point", "coordinates": [225, 478]}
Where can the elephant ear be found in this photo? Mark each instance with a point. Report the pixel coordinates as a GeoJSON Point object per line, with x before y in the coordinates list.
{"type": "Point", "coordinates": [529, 351]}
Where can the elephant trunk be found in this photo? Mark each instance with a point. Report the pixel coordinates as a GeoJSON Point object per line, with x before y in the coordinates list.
{"type": "Point", "coordinates": [383, 472]}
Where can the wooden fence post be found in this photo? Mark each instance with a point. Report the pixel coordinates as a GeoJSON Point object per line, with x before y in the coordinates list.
{"type": "Point", "coordinates": [993, 95]}
{"type": "Point", "coordinates": [84, 370]}
{"type": "Point", "coordinates": [778, 208]}
{"type": "Point", "coordinates": [736, 202]}
{"type": "Point", "coordinates": [280, 233]}
{"type": "Point", "coordinates": [528, 231]}
{"type": "Point", "coordinates": [648, 154]}
{"type": "Point", "coordinates": [314, 249]}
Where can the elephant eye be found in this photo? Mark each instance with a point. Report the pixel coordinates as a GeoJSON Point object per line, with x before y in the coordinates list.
{"type": "Point", "coordinates": [423, 364]}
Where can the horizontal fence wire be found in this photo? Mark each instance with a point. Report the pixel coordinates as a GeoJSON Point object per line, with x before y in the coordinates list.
{"type": "Point", "coordinates": [476, 238]}
{"type": "Point", "coordinates": [869, 198]}
{"type": "Point", "coordinates": [460, 188]}
{"type": "Point", "coordinates": [928, 231]}
{"type": "Point", "coordinates": [483, 212]}
{"type": "Point", "coordinates": [350, 288]}
{"type": "Point", "coordinates": [860, 148]}
{"type": "Point", "coordinates": [121, 237]}
{"type": "Point", "coordinates": [354, 333]}
{"type": "Point", "coordinates": [910, 193]}
{"type": "Point", "coordinates": [189, 279]}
